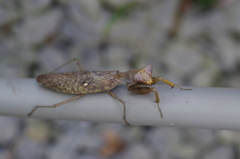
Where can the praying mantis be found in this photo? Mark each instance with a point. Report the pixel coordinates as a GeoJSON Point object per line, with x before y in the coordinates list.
{"type": "Point", "coordinates": [138, 81]}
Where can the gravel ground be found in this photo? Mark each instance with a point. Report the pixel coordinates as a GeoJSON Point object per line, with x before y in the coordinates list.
{"type": "Point", "coordinates": [38, 36]}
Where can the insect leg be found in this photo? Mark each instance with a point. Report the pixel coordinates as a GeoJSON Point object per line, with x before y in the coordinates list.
{"type": "Point", "coordinates": [74, 59]}
{"type": "Point", "coordinates": [124, 105]}
{"type": "Point", "coordinates": [58, 104]}
{"type": "Point", "coordinates": [145, 90]}
{"type": "Point", "coordinates": [155, 79]}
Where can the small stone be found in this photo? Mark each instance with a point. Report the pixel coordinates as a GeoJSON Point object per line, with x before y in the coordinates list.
{"type": "Point", "coordinates": [222, 152]}
{"type": "Point", "coordinates": [36, 29]}
{"type": "Point", "coordinates": [138, 151]}
{"type": "Point", "coordinates": [8, 129]}
{"type": "Point", "coordinates": [38, 130]}
{"type": "Point", "coordinates": [33, 6]}
{"type": "Point", "coordinates": [182, 59]}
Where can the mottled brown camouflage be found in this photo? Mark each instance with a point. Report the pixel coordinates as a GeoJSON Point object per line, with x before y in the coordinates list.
{"type": "Point", "coordinates": [81, 82]}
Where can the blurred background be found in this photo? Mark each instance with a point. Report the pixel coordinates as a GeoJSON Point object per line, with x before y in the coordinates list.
{"type": "Point", "coordinates": [189, 42]}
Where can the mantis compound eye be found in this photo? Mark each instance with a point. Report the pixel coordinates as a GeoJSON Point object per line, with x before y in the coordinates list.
{"type": "Point", "coordinates": [138, 77]}
{"type": "Point", "coordinates": [149, 69]}
{"type": "Point", "coordinates": [144, 75]}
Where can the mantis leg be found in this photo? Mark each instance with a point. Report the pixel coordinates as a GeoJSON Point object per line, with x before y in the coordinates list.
{"type": "Point", "coordinates": [124, 105]}
{"type": "Point", "coordinates": [58, 104]}
{"type": "Point", "coordinates": [74, 59]}
{"type": "Point", "coordinates": [145, 90]}
{"type": "Point", "coordinates": [156, 79]}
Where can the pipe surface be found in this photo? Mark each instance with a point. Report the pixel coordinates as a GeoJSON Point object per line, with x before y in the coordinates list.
{"type": "Point", "coordinates": [208, 108]}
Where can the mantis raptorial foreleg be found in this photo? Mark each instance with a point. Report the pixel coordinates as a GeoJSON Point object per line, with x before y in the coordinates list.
{"type": "Point", "coordinates": [156, 79]}
{"type": "Point", "coordinates": [136, 89]}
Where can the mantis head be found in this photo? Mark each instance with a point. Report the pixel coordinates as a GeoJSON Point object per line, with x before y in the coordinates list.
{"type": "Point", "coordinates": [144, 75]}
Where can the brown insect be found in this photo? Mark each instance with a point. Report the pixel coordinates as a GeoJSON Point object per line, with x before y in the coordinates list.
{"type": "Point", "coordinates": [85, 82]}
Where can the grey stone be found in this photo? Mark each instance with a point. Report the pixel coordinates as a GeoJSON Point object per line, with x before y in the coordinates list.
{"type": "Point", "coordinates": [36, 29]}
{"type": "Point", "coordinates": [233, 13]}
{"type": "Point", "coordinates": [221, 152]}
{"type": "Point", "coordinates": [72, 140]}
{"type": "Point", "coordinates": [127, 31]}
{"type": "Point", "coordinates": [8, 129]}
{"type": "Point", "coordinates": [228, 53]}
{"type": "Point", "coordinates": [51, 58]}
{"type": "Point", "coordinates": [202, 136]}
{"type": "Point", "coordinates": [91, 7]}
{"type": "Point", "coordinates": [183, 59]}
{"type": "Point", "coordinates": [34, 6]}
{"type": "Point", "coordinates": [165, 140]}
{"type": "Point", "coordinates": [138, 151]}
{"type": "Point", "coordinates": [7, 16]}
{"type": "Point", "coordinates": [205, 75]}
{"type": "Point", "coordinates": [29, 149]}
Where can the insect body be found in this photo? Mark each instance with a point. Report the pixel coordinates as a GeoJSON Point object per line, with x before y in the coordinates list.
{"type": "Point", "coordinates": [85, 82]}
{"type": "Point", "coordinates": [81, 82]}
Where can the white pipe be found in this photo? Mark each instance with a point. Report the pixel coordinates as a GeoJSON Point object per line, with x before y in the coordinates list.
{"type": "Point", "coordinates": [209, 108]}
